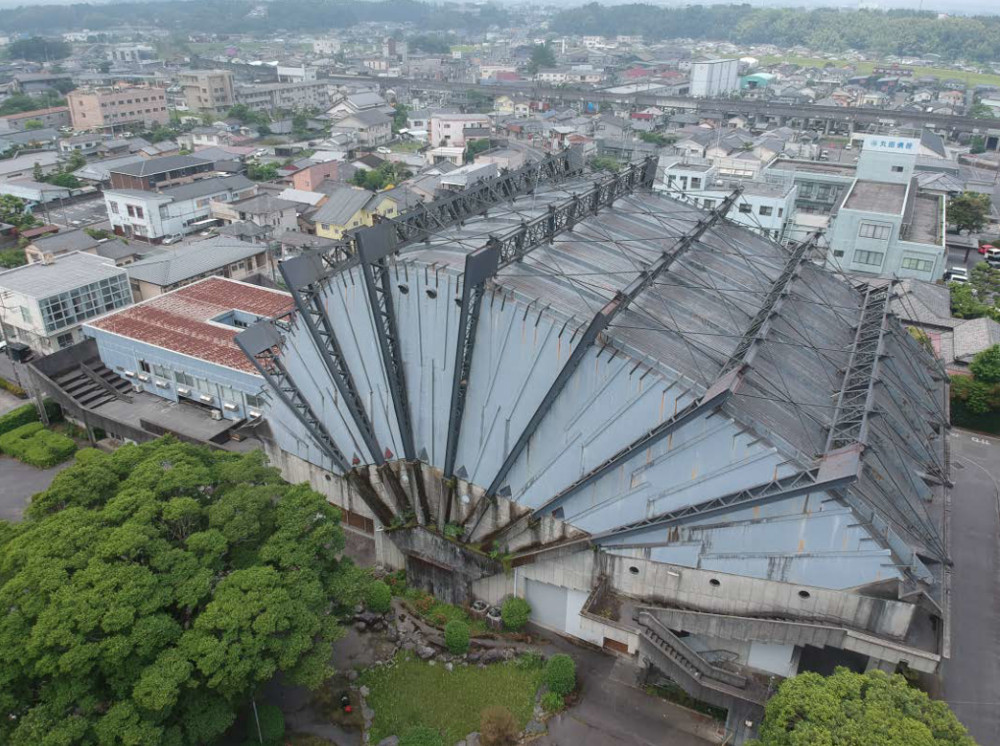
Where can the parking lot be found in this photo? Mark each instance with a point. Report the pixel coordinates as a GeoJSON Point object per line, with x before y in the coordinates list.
{"type": "Point", "coordinates": [76, 214]}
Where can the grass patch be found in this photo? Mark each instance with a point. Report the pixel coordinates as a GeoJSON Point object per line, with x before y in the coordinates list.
{"type": "Point", "coordinates": [411, 692]}
{"type": "Point", "coordinates": [864, 68]}
{"type": "Point", "coordinates": [407, 146]}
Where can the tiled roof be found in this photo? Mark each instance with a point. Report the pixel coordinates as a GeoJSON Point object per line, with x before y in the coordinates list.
{"type": "Point", "coordinates": [181, 321]}
{"type": "Point", "coordinates": [186, 260]}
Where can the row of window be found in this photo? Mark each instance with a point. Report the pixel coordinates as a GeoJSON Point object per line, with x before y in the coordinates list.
{"type": "Point", "coordinates": [80, 304]}
{"type": "Point", "coordinates": [878, 231]}
{"type": "Point", "coordinates": [920, 265]}
{"type": "Point", "coordinates": [873, 258]}
{"type": "Point", "coordinates": [106, 104]}
{"type": "Point", "coordinates": [202, 385]}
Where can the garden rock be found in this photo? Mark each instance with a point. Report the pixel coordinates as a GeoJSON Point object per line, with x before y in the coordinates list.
{"type": "Point", "coordinates": [389, 741]}
{"type": "Point", "coordinates": [534, 727]}
{"type": "Point", "coordinates": [352, 675]}
{"type": "Point", "coordinates": [360, 626]}
{"type": "Point", "coordinates": [448, 666]}
{"type": "Point", "coordinates": [494, 655]}
{"type": "Point", "coordinates": [425, 652]}
{"type": "Point", "coordinates": [364, 691]}
{"type": "Point", "coordinates": [472, 739]}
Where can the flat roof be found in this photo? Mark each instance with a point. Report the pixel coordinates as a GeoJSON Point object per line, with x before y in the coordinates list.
{"type": "Point", "coordinates": [876, 196]}
{"type": "Point", "coordinates": [181, 321]}
{"type": "Point", "coordinates": [925, 225]}
{"type": "Point", "coordinates": [64, 273]}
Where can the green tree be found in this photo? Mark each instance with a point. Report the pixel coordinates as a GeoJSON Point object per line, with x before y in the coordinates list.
{"type": "Point", "coordinates": [456, 637]}
{"type": "Point", "coordinates": [39, 49]}
{"type": "Point", "coordinates": [10, 258]}
{"type": "Point", "coordinates": [605, 163]}
{"type": "Point", "coordinates": [150, 591]}
{"type": "Point", "coordinates": [475, 147]}
{"type": "Point", "coordinates": [14, 211]}
{"type": "Point", "coordinates": [33, 124]}
{"type": "Point", "coordinates": [76, 160]}
{"type": "Point", "coordinates": [399, 117]}
{"type": "Point", "coordinates": [262, 171]}
{"type": "Point", "coordinates": [981, 110]}
{"type": "Point", "coordinates": [985, 365]}
{"type": "Point", "coordinates": [969, 211]}
{"type": "Point", "coordinates": [977, 145]}
{"type": "Point", "coordinates": [37, 173]}
{"type": "Point", "coordinates": [20, 103]}
{"type": "Point", "coordinates": [514, 612]}
{"type": "Point", "coordinates": [65, 179]}
{"type": "Point", "coordinates": [853, 708]}
{"type": "Point", "coordinates": [560, 674]}
{"type": "Point", "coordinates": [541, 56]}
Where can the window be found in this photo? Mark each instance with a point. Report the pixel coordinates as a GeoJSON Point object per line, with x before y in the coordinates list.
{"type": "Point", "coordinates": [708, 204]}
{"type": "Point", "coordinates": [920, 265]}
{"type": "Point", "coordinates": [160, 372]}
{"type": "Point", "coordinates": [255, 402]}
{"type": "Point", "coordinates": [873, 258]}
{"type": "Point", "coordinates": [897, 169]}
{"type": "Point", "coordinates": [878, 231]}
{"type": "Point", "coordinates": [25, 314]}
{"type": "Point", "coordinates": [745, 208]}
{"type": "Point", "coordinates": [695, 182]}
{"type": "Point", "coordinates": [64, 340]}
{"type": "Point", "coordinates": [183, 378]}
{"type": "Point", "coordinates": [131, 211]}
{"type": "Point", "coordinates": [138, 212]}
{"type": "Point", "coordinates": [766, 210]}
{"type": "Point", "coordinates": [144, 367]}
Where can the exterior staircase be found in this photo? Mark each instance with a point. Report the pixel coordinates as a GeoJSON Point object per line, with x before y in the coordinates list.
{"type": "Point", "coordinates": [91, 384]}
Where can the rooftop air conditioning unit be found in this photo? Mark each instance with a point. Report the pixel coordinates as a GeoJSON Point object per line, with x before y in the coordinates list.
{"type": "Point", "coordinates": [230, 407]}
{"type": "Point", "coordinates": [137, 387]}
{"type": "Point", "coordinates": [129, 374]}
{"type": "Point", "coordinates": [162, 384]}
{"type": "Point", "coordinates": [143, 377]}
{"type": "Point", "coordinates": [253, 415]}
{"type": "Point", "coordinates": [216, 414]}
{"type": "Point", "coordinates": [205, 398]}
{"type": "Point", "coordinates": [183, 391]}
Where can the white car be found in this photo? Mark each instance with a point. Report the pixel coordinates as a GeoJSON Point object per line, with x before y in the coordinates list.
{"type": "Point", "coordinates": [957, 274]}
{"type": "Point", "coordinates": [383, 150]}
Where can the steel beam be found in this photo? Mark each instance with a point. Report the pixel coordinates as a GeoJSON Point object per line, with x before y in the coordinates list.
{"type": "Point", "coordinates": [855, 400]}
{"type": "Point", "coordinates": [623, 298]}
{"type": "Point", "coordinates": [303, 275]}
{"type": "Point", "coordinates": [420, 222]}
{"type": "Point", "coordinates": [832, 472]}
{"type": "Point", "coordinates": [261, 343]}
{"type": "Point", "coordinates": [375, 245]}
{"type": "Point", "coordinates": [479, 266]}
{"type": "Point", "coordinates": [726, 383]}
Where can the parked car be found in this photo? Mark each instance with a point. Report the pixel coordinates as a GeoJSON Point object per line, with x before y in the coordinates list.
{"type": "Point", "coordinates": [383, 150]}
{"type": "Point", "coordinates": [985, 248]}
{"type": "Point", "coordinates": [957, 274]}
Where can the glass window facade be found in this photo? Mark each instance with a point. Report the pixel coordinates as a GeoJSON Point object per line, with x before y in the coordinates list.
{"type": "Point", "coordinates": [80, 304]}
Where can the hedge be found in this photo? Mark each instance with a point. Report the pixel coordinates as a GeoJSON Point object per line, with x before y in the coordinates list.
{"type": "Point", "coordinates": [514, 612]}
{"type": "Point", "coordinates": [23, 415]}
{"type": "Point", "coordinates": [378, 597]}
{"type": "Point", "coordinates": [35, 445]}
{"type": "Point", "coordinates": [456, 637]}
{"type": "Point", "coordinates": [560, 674]}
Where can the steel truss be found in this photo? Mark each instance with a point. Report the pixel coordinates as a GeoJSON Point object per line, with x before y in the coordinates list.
{"type": "Point", "coordinates": [260, 343]}
{"type": "Point", "coordinates": [726, 383]}
{"type": "Point", "coordinates": [420, 222]}
{"type": "Point", "coordinates": [856, 398]}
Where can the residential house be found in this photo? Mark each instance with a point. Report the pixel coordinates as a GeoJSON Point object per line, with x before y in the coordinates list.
{"type": "Point", "coordinates": [158, 173]}
{"type": "Point", "coordinates": [454, 130]}
{"type": "Point", "coordinates": [347, 208]}
{"type": "Point", "coordinates": [263, 210]}
{"type": "Point", "coordinates": [49, 248]}
{"type": "Point", "coordinates": [371, 127]}
{"type": "Point", "coordinates": [188, 262]}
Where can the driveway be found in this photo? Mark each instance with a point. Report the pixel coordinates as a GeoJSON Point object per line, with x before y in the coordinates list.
{"type": "Point", "coordinates": [972, 675]}
{"type": "Point", "coordinates": [8, 401]}
{"type": "Point", "coordinates": [613, 712]}
{"type": "Point", "coordinates": [18, 482]}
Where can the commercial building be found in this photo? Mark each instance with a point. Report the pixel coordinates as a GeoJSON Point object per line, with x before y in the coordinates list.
{"type": "Point", "coordinates": [887, 225]}
{"type": "Point", "coordinates": [158, 173]}
{"type": "Point", "coordinates": [44, 304]}
{"type": "Point", "coordinates": [101, 108]}
{"type": "Point", "coordinates": [711, 78]}
{"type": "Point", "coordinates": [452, 130]}
{"type": "Point", "coordinates": [207, 91]}
{"type": "Point", "coordinates": [173, 212]}
{"type": "Point", "coordinates": [51, 118]}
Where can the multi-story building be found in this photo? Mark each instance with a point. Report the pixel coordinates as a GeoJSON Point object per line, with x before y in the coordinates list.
{"type": "Point", "coordinates": [208, 91]}
{"type": "Point", "coordinates": [99, 108]}
{"type": "Point", "coordinates": [348, 208]}
{"type": "Point", "coordinates": [715, 78]}
{"type": "Point", "coordinates": [54, 117]}
{"type": "Point", "coordinates": [43, 304]}
{"type": "Point", "coordinates": [370, 127]}
{"type": "Point", "coordinates": [450, 129]}
{"type": "Point", "coordinates": [174, 212]}
{"type": "Point", "coordinates": [158, 173]}
{"type": "Point", "coordinates": [263, 210]}
{"type": "Point", "coordinates": [766, 208]}
{"type": "Point", "coordinates": [270, 97]}
{"type": "Point", "coordinates": [886, 224]}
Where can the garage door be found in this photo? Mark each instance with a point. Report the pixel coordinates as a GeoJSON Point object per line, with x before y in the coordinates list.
{"type": "Point", "coordinates": [548, 604]}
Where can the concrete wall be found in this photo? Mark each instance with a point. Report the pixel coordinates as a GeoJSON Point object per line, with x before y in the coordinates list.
{"type": "Point", "coordinates": [744, 596]}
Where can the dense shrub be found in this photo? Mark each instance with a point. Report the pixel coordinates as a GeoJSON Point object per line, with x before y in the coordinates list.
{"type": "Point", "coordinates": [420, 735]}
{"type": "Point", "coordinates": [18, 417]}
{"type": "Point", "coordinates": [456, 637]}
{"type": "Point", "coordinates": [35, 445]}
{"type": "Point", "coordinates": [497, 727]}
{"type": "Point", "coordinates": [378, 597]}
{"type": "Point", "coordinates": [552, 702]}
{"type": "Point", "coordinates": [514, 613]}
{"type": "Point", "coordinates": [560, 674]}
{"type": "Point", "coordinates": [272, 726]}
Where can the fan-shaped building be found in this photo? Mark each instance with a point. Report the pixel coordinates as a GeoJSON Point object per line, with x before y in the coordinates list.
{"type": "Point", "coordinates": [672, 436]}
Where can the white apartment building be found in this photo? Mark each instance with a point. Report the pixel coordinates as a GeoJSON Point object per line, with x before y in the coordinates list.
{"type": "Point", "coordinates": [449, 130]}
{"type": "Point", "coordinates": [173, 212]}
{"type": "Point", "coordinates": [292, 96]}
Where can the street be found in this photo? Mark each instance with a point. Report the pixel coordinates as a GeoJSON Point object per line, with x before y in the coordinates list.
{"type": "Point", "coordinates": [972, 675]}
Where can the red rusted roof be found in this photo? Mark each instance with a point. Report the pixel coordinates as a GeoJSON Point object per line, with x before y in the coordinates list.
{"type": "Point", "coordinates": [181, 320]}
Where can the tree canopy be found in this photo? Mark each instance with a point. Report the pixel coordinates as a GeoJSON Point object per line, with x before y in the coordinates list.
{"type": "Point", "coordinates": [150, 591]}
{"type": "Point", "coordinates": [39, 49]}
{"type": "Point", "coordinates": [978, 297]}
{"type": "Point", "coordinates": [851, 708]}
{"type": "Point", "coordinates": [541, 56]}
{"type": "Point", "coordinates": [14, 211]}
{"type": "Point", "coordinates": [969, 211]}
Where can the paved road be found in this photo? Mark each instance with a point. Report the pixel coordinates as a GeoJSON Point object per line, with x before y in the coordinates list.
{"type": "Point", "coordinates": [18, 482]}
{"type": "Point", "coordinates": [8, 401]}
{"type": "Point", "coordinates": [972, 675]}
